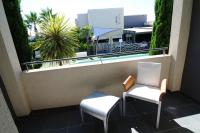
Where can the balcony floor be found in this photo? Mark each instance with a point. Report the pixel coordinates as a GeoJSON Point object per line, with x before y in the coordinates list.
{"type": "Point", "coordinates": [140, 116]}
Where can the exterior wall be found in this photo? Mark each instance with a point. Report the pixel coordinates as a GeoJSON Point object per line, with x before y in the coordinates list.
{"type": "Point", "coordinates": [178, 42]}
{"type": "Point", "coordinates": [134, 21]}
{"type": "Point", "coordinates": [82, 20]}
{"type": "Point", "coordinates": [10, 70]}
{"type": "Point", "coordinates": [7, 124]}
{"type": "Point", "coordinates": [129, 21]}
{"type": "Point", "coordinates": [191, 74]}
{"type": "Point", "coordinates": [62, 86]}
{"type": "Point", "coordinates": [114, 18]}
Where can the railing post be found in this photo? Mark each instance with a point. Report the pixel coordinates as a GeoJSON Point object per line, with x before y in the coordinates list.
{"type": "Point", "coordinates": [27, 67]}
{"type": "Point", "coordinates": [100, 59]}
{"type": "Point", "coordinates": [164, 51]}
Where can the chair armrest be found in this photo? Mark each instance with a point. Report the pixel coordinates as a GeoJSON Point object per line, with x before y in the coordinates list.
{"type": "Point", "coordinates": [163, 88]}
{"type": "Point", "coordinates": [129, 82]}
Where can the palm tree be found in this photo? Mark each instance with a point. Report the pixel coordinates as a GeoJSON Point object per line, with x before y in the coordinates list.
{"type": "Point", "coordinates": [58, 40]}
{"type": "Point", "coordinates": [32, 18]}
{"type": "Point", "coordinates": [85, 33]}
{"type": "Point", "coordinates": [46, 13]}
{"type": "Point", "coordinates": [29, 26]}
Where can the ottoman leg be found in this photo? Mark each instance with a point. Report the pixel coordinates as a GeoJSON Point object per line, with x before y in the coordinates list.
{"type": "Point", "coordinates": [82, 117]}
{"type": "Point", "coordinates": [105, 123]}
{"type": "Point", "coordinates": [124, 104]}
{"type": "Point", "coordinates": [121, 108]}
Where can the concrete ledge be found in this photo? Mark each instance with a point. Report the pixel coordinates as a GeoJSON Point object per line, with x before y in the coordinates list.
{"type": "Point", "coordinates": [65, 86]}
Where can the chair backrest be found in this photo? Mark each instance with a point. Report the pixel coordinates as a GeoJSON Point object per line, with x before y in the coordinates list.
{"type": "Point", "coordinates": [148, 73]}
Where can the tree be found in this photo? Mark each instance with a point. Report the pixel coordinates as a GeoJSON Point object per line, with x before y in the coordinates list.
{"type": "Point", "coordinates": [83, 36]}
{"type": "Point", "coordinates": [32, 18]}
{"type": "Point", "coordinates": [85, 33]}
{"type": "Point", "coordinates": [18, 30]}
{"type": "Point", "coordinates": [162, 25]}
{"type": "Point", "coordinates": [46, 13]}
{"type": "Point", "coordinates": [57, 40]}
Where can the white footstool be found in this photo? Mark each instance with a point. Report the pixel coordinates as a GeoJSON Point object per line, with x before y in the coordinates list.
{"type": "Point", "coordinates": [99, 105]}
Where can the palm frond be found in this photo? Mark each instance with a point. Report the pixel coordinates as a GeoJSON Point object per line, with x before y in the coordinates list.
{"type": "Point", "coordinates": [58, 40]}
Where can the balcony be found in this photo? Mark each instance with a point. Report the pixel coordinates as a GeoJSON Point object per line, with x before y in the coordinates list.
{"type": "Point", "coordinates": [176, 111]}
{"type": "Point", "coordinates": [47, 100]}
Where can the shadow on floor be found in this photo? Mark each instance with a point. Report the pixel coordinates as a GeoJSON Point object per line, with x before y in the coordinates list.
{"type": "Point", "coordinates": [140, 116]}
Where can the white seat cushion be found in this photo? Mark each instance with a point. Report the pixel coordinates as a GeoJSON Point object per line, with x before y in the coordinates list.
{"type": "Point", "coordinates": [143, 92]}
{"type": "Point", "coordinates": [98, 103]}
{"type": "Point", "coordinates": [148, 73]}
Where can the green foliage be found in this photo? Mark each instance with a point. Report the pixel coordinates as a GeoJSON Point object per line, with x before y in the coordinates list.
{"type": "Point", "coordinates": [85, 33]}
{"type": "Point", "coordinates": [162, 25]}
{"type": "Point", "coordinates": [83, 47]}
{"type": "Point", "coordinates": [90, 49]}
{"type": "Point", "coordinates": [32, 18]}
{"type": "Point", "coordinates": [36, 45]}
{"type": "Point", "coordinates": [18, 30]}
{"type": "Point", "coordinates": [57, 39]}
{"type": "Point", "coordinates": [46, 14]}
{"type": "Point", "coordinates": [83, 36]}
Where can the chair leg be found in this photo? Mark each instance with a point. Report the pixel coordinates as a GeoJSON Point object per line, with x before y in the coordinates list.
{"type": "Point", "coordinates": [105, 123]}
{"type": "Point", "coordinates": [158, 115]}
{"type": "Point", "coordinates": [124, 104]}
{"type": "Point", "coordinates": [82, 114]}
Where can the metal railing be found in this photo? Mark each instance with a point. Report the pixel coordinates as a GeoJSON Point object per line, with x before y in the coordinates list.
{"type": "Point", "coordinates": [100, 56]}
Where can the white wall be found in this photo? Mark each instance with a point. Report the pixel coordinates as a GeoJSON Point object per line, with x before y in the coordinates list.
{"type": "Point", "coordinates": [106, 18]}
{"type": "Point", "coordinates": [10, 69]}
{"type": "Point", "coordinates": [7, 124]}
{"type": "Point", "coordinates": [82, 20]}
{"type": "Point", "coordinates": [62, 86]}
{"type": "Point", "coordinates": [180, 30]}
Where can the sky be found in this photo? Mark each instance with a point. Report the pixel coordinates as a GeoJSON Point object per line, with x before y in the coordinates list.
{"type": "Point", "coordinates": [70, 8]}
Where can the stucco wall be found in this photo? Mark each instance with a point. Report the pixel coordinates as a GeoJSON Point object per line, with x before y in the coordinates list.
{"type": "Point", "coordinates": [7, 124]}
{"type": "Point", "coordinates": [62, 86]}
{"type": "Point", "coordinates": [10, 69]}
{"type": "Point", "coordinates": [191, 74]}
{"type": "Point", "coordinates": [114, 18]}
{"type": "Point", "coordinates": [180, 30]}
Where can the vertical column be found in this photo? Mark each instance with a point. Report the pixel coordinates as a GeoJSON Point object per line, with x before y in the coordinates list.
{"type": "Point", "coordinates": [10, 69]}
{"type": "Point", "coordinates": [182, 11]}
{"type": "Point", "coordinates": [7, 125]}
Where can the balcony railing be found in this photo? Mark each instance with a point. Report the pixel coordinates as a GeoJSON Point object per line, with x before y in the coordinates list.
{"type": "Point", "coordinates": [92, 58]}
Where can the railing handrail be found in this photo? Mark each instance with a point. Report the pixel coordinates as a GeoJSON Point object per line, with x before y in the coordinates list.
{"type": "Point", "coordinates": [98, 55]}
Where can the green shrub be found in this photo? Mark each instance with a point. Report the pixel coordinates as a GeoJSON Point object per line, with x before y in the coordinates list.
{"type": "Point", "coordinates": [90, 49]}
{"type": "Point", "coordinates": [83, 47]}
{"type": "Point", "coordinates": [37, 66]}
{"type": "Point", "coordinates": [18, 30]}
{"type": "Point", "coordinates": [85, 34]}
{"type": "Point", "coordinates": [162, 25]}
{"type": "Point", "coordinates": [57, 39]}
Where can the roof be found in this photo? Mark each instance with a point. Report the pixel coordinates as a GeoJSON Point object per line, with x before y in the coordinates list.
{"type": "Point", "coordinates": [109, 32]}
{"type": "Point", "coordinates": [135, 20]}
{"type": "Point", "coordinates": [139, 30]}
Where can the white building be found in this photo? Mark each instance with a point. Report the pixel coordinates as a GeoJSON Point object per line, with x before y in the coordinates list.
{"type": "Point", "coordinates": [82, 20]}
{"type": "Point", "coordinates": [106, 23]}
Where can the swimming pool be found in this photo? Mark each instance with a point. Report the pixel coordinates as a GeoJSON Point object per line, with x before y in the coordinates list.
{"type": "Point", "coordinates": [93, 60]}
{"type": "Point", "coordinates": [108, 59]}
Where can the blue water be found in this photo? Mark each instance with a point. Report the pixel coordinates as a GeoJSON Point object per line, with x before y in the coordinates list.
{"type": "Point", "coordinates": [105, 59]}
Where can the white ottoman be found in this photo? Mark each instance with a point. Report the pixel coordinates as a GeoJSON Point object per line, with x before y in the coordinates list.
{"type": "Point", "coordinates": [99, 105]}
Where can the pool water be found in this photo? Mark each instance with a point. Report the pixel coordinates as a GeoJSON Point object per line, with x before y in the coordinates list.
{"type": "Point", "coordinates": [107, 59]}
{"type": "Point", "coordinates": [94, 60]}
